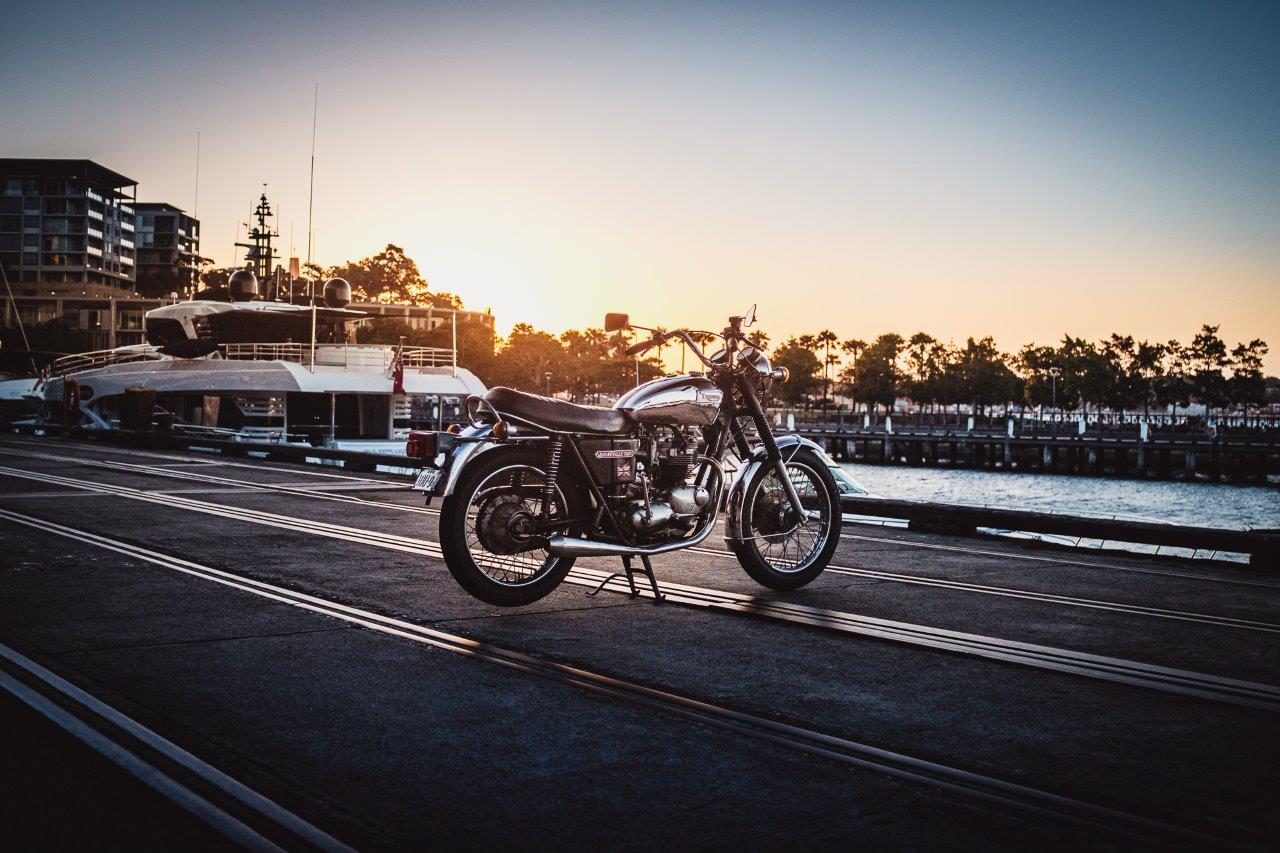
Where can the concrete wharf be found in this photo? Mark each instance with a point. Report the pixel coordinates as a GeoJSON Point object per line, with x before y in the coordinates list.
{"type": "Point", "coordinates": [292, 631]}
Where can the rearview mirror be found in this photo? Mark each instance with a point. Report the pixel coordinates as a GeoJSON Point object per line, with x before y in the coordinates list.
{"type": "Point", "coordinates": [616, 322]}
{"type": "Point", "coordinates": [750, 319]}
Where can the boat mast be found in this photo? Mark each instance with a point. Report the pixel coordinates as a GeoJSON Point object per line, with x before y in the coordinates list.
{"type": "Point", "coordinates": [260, 256]}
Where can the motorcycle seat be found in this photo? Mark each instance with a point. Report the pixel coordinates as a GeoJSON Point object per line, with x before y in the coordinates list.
{"type": "Point", "coordinates": [557, 415]}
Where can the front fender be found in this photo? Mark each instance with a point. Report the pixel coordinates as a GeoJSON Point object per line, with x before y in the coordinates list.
{"type": "Point", "coordinates": [788, 445]}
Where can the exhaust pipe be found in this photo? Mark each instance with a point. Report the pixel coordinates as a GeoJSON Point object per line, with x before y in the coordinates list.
{"type": "Point", "coordinates": [564, 546]}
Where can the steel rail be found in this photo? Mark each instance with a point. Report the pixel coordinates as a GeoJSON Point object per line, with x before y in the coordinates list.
{"type": "Point", "coordinates": [1266, 584]}
{"type": "Point", "coordinates": [237, 812]}
{"type": "Point", "coordinates": [798, 737]}
{"type": "Point", "coordinates": [1116, 670]}
{"type": "Point", "coordinates": [874, 574]}
{"type": "Point", "coordinates": [220, 461]}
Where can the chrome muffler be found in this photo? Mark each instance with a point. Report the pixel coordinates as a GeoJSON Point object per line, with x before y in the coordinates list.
{"type": "Point", "coordinates": [565, 546]}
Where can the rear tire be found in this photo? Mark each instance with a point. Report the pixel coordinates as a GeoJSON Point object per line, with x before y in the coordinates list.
{"type": "Point", "coordinates": [767, 558]}
{"type": "Point", "coordinates": [499, 577]}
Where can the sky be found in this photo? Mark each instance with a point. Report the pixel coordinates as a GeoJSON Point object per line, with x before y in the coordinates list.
{"type": "Point", "coordinates": [1014, 169]}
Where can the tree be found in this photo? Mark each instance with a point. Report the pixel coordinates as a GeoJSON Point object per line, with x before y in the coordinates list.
{"type": "Point", "coordinates": [922, 367]}
{"type": "Point", "coordinates": [1085, 373]}
{"type": "Point", "coordinates": [527, 356]}
{"type": "Point", "coordinates": [824, 340]}
{"type": "Point", "coordinates": [984, 376]}
{"type": "Point", "coordinates": [389, 276]}
{"type": "Point", "coordinates": [1247, 386]}
{"type": "Point", "coordinates": [876, 377]}
{"type": "Point", "coordinates": [1208, 359]}
{"type": "Point", "coordinates": [1038, 384]}
{"type": "Point", "coordinates": [1148, 372]}
{"type": "Point", "coordinates": [804, 367]}
{"type": "Point", "coordinates": [852, 348]}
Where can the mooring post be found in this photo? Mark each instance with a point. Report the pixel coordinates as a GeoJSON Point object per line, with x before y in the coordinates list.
{"type": "Point", "coordinates": [1142, 448]}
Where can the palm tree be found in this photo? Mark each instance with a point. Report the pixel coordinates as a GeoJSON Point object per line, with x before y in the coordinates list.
{"type": "Point", "coordinates": [824, 340]}
{"type": "Point", "coordinates": [853, 347]}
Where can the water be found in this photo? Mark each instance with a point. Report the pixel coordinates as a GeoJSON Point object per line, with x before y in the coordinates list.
{"type": "Point", "coordinates": [1200, 504]}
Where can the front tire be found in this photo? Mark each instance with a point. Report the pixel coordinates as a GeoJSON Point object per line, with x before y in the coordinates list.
{"type": "Point", "coordinates": [481, 522]}
{"type": "Point", "coordinates": [775, 551]}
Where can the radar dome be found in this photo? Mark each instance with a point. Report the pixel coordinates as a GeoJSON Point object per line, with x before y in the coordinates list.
{"type": "Point", "coordinates": [337, 293]}
{"type": "Point", "coordinates": [242, 286]}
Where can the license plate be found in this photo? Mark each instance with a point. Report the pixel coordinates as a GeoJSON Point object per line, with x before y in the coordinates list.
{"type": "Point", "coordinates": [428, 479]}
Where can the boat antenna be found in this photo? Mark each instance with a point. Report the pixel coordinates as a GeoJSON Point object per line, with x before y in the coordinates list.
{"type": "Point", "coordinates": [195, 215]}
{"type": "Point", "coordinates": [18, 316]}
{"type": "Point", "coordinates": [311, 196]}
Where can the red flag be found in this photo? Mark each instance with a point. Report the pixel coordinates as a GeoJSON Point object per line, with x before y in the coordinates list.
{"type": "Point", "coordinates": [397, 371]}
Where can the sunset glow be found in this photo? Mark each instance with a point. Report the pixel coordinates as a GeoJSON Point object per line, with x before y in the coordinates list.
{"type": "Point", "coordinates": [864, 168]}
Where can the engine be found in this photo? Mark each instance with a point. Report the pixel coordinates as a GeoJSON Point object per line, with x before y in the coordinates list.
{"type": "Point", "coordinates": [663, 502]}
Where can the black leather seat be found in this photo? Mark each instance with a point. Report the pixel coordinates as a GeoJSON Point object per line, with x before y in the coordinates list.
{"type": "Point", "coordinates": [557, 415]}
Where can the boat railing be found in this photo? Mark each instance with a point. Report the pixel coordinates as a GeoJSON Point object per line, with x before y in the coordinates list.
{"type": "Point", "coordinates": [98, 358]}
{"type": "Point", "coordinates": [357, 356]}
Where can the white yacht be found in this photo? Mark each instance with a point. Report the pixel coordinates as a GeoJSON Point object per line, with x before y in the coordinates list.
{"type": "Point", "coordinates": [258, 370]}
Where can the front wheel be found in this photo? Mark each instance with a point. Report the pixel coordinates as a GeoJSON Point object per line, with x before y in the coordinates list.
{"type": "Point", "coordinates": [777, 549]}
{"type": "Point", "coordinates": [492, 533]}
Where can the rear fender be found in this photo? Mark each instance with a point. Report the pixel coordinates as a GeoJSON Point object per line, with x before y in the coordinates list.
{"type": "Point", "coordinates": [462, 453]}
{"type": "Point", "coordinates": [788, 445]}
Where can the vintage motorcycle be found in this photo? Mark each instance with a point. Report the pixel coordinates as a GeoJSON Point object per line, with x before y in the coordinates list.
{"type": "Point", "coordinates": [535, 482]}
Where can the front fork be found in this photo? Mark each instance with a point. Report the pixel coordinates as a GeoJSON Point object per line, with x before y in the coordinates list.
{"type": "Point", "coordinates": [772, 452]}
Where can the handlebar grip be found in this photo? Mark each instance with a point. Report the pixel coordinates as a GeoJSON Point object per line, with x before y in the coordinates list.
{"type": "Point", "coordinates": [636, 349]}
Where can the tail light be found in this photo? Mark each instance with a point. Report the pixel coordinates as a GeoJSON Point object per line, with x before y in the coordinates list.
{"type": "Point", "coordinates": [421, 445]}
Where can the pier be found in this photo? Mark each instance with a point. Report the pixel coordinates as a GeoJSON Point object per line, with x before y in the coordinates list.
{"type": "Point", "coordinates": [283, 644]}
{"type": "Point", "coordinates": [1071, 447]}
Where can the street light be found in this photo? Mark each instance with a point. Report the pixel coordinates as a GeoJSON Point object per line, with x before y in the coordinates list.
{"type": "Point", "coordinates": [1054, 373]}
{"type": "Point", "coordinates": [548, 376]}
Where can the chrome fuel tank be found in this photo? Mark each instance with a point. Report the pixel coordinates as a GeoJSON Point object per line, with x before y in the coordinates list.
{"type": "Point", "coordinates": [687, 400]}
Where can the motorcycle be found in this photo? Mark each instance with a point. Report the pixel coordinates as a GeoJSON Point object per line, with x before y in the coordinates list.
{"type": "Point", "coordinates": [535, 482]}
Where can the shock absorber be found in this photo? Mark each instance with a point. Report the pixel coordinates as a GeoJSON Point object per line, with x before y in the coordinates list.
{"type": "Point", "coordinates": [556, 446]}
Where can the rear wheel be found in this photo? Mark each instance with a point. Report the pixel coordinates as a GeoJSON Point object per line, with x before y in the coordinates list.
{"type": "Point", "coordinates": [490, 528]}
{"type": "Point", "coordinates": [779, 550]}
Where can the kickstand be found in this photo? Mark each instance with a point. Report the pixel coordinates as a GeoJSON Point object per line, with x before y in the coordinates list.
{"type": "Point", "coordinates": [629, 573]}
{"type": "Point", "coordinates": [626, 565]}
{"type": "Point", "coordinates": [658, 595]}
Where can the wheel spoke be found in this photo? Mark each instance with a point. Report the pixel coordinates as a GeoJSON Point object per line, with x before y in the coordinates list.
{"type": "Point", "coordinates": [489, 538]}
{"type": "Point", "coordinates": [789, 545]}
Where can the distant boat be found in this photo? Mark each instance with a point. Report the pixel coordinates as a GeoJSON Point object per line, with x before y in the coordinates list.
{"type": "Point", "coordinates": [268, 371]}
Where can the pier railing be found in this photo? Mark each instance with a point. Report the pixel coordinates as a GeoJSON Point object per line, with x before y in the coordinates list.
{"type": "Point", "coordinates": [1032, 424]}
{"type": "Point", "coordinates": [99, 358]}
{"type": "Point", "coordinates": [349, 356]}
